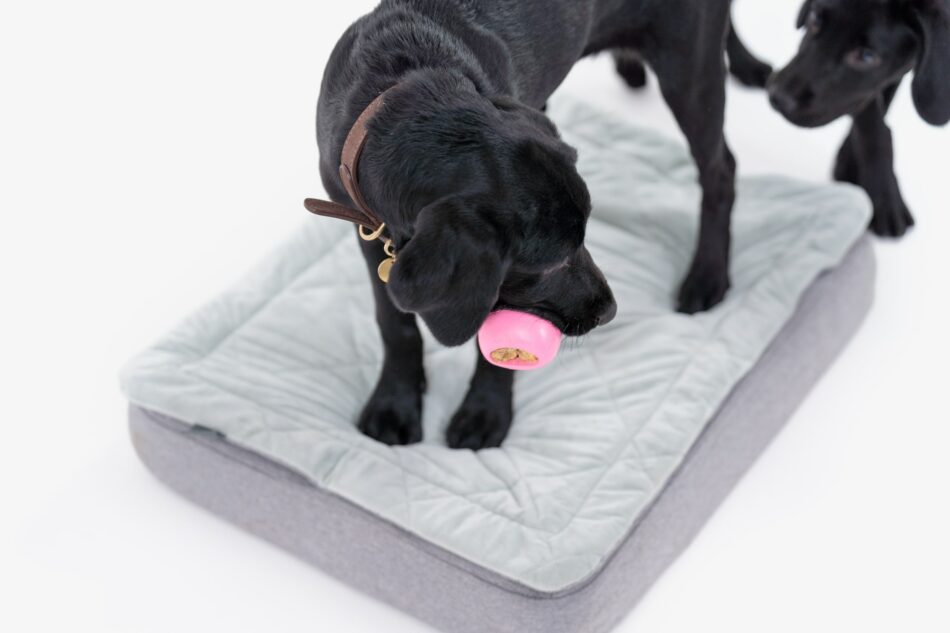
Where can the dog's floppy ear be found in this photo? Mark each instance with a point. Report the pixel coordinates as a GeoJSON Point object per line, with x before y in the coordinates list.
{"type": "Point", "coordinates": [451, 270]}
{"type": "Point", "coordinates": [513, 106]}
{"type": "Point", "coordinates": [931, 87]}
{"type": "Point", "coordinates": [803, 14]}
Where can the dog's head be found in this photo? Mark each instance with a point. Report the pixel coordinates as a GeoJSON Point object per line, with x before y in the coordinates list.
{"type": "Point", "coordinates": [854, 49]}
{"type": "Point", "coordinates": [487, 210]}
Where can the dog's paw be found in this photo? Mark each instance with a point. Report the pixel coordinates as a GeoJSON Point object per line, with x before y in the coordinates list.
{"type": "Point", "coordinates": [393, 415]}
{"type": "Point", "coordinates": [479, 423]}
{"type": "Point", "coordinates": [891, 218]}
{"type": "Point", "coordinates": [704, 288]}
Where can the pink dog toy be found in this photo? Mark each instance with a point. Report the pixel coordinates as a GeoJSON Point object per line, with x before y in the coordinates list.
{"type": "Point", "coordinates": [518, 340]}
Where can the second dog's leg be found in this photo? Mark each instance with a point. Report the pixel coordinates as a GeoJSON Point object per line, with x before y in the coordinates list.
{"type": "Point", "coordinates": [873, 149]}
{"type": "Point", "coordinates": [692, 80]}
{"type": "Point", "coordinates": [484, 417]}
{"type": "Point", "coordinates": [866, 159]}
{"type": "Point", "coordinates": [393, 414]}
{"type": "Point", "coordinates": [846, 164]}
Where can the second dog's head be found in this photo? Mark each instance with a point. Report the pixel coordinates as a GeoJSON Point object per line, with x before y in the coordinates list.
{"type": "Point", "coordinates": [486, 208]}
{"type": "Point", "coordinates": [855, 49]}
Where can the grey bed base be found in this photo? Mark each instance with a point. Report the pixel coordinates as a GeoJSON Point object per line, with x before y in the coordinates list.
{"type": "Point", "coordinates": [457, 596]}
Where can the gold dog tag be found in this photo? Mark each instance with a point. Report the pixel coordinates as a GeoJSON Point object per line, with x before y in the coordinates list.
{"type": "Point", "coordinates": [387, 264]}
{"type": "Point", "coordinates": [384, 267]}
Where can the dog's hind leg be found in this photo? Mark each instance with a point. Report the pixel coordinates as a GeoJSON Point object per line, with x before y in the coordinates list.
{"type": "Point", "coordinates": [691, 72]}
{"type": "Point", "coordinates": [744, 66]}
{"type": "Point", "coordinates": [630, 67]}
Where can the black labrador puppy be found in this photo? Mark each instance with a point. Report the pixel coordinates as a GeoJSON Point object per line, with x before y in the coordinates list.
{"type": "Point", "coordinates": [852, 60]}
{"type": "Point", "coordinates": [480, 196]}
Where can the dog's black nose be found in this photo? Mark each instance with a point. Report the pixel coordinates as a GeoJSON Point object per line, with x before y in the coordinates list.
{"type": "Point", "coordinates": [608, 313]}
{"type": "Point", "coordinates": [783, 102]}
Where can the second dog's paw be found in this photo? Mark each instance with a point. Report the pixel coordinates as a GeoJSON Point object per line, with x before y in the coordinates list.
{"type": "Point", "coordinates": [704, 288]}
{"type": "Point", "coordinates": [393, 418]}
{"type": "Point", "coordinates": [479, 423]}
{"type": "Point", "coordinates": [891, 219]}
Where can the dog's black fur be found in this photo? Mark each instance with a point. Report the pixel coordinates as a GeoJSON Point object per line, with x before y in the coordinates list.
{"type": "Point", "coordinates": [852, 60]}
{"type": "Point", "coordinates": [478, 192]}
{"type": "Point", "coordinates": [743, 64]}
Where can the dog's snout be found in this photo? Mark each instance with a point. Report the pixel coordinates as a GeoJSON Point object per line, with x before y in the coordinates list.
{"type": "Point", "coordinates": [790, 94]}
{"type": "Point", "coordinates": [608, 312]}
{"type": "Point", "coordinates": [783, 101]}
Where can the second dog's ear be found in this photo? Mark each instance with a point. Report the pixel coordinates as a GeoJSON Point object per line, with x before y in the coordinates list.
{"type": "Point", "coordinates": [931, 87]}
{"type": "Point", "coordinates": [451, 270]}
{"type": "Point", "coordinates": [803, 14]}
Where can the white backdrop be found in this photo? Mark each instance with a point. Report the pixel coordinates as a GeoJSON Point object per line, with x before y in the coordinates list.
{"type": "Point", "coordinates": [150, 152]}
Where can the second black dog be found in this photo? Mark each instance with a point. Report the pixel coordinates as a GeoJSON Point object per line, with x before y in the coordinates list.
{"type": "Point", "coordinates": [852, 60]}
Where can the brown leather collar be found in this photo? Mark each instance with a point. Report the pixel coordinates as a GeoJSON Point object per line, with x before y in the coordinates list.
{"type": "Point", "coordinates": [362, 215]}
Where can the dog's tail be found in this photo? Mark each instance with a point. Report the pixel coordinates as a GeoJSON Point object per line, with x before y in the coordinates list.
{"type": "Point", "coordinates": [744, 66]}
{"type": "Point", "coordinates": [748, 69]}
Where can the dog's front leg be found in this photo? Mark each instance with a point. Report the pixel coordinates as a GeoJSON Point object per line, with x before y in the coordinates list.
{"type": "Point", "coordinates": [484, 417]}
{"type": "Point", "coordinates": [867, 159]}
{"type": "Point", "coordinates": [393, 414]}
{"type": "Point", "coordinates": [693, 84]}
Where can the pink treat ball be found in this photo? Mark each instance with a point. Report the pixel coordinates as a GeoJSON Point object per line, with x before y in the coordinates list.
{"type": "Point", "coordinates": [518, 340]}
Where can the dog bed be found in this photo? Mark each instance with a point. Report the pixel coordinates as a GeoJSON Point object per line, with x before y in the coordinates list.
{"type": "Point", "coordinates": [620, 449]}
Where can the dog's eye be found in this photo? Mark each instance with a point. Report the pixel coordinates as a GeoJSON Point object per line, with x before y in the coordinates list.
{"type": "Point", "coordinates": [813, 22]}
{"type": "Point", "coordinates": [863, 59]}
